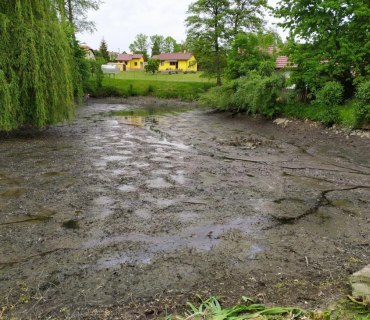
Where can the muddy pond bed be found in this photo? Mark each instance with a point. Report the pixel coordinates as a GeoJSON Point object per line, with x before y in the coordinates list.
{"type": "Point", "coordinates": [135, 207]}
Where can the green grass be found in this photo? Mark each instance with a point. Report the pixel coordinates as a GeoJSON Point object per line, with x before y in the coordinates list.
{"type": "Point", "coordinates": [347, 115]}
{"type": "Point", "coordinates": [180, 77]}
{"type": "Point", "coordinates": [139, 83]}
{"type": "Point", "coordinates": [161, 89]}
{"type": "Point", "coordinates": [211, 309]}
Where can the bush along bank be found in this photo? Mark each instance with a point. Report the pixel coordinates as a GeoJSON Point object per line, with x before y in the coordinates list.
{"type": "Point", "coordinates": [268, 96]}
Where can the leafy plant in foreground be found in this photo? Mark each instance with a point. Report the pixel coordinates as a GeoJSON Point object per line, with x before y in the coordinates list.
{"type": "Point", "coordinates": [211, 309]}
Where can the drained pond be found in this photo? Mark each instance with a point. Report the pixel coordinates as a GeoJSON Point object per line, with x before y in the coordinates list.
{"type": "Point", "coordinates": [138, 209]}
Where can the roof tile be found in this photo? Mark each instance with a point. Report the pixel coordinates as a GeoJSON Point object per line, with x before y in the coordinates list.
{"type": "Point", "coordinates": [128, 57]}
{"type": "Point", "coordinates": [173, 56]}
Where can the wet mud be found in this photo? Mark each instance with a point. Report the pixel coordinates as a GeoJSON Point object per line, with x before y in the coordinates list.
{"type": "Point", "coordinates": [124, 214]}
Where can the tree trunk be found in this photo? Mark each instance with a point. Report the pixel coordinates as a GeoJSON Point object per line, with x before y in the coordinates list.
{"type": "Point", "coordinates": [70, 12]}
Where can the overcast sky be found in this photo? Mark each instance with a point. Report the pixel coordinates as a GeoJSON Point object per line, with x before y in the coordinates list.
{"type": "Point", "coordinates": [119, 21]}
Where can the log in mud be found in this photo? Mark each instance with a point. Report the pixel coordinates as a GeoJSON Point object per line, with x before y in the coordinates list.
{"type": "Point", "coordinates": [123, 215]}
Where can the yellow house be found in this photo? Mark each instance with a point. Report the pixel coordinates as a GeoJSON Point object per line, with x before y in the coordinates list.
{"type": "Point", "coordinates": [130, 62]}
{"type": "Point", "coordinates": [180, 61]}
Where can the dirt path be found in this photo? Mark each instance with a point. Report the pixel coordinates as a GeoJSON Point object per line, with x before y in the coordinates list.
{"type": "Point", "coordinates": [112, 216]}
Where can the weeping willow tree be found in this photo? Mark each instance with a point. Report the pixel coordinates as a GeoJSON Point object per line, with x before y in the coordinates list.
{"type": "Point", "coordinates": [36, 77]}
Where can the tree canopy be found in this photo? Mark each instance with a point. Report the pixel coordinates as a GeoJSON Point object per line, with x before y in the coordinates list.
{"type": "Point", "coordinates": [36, 80]}
{"type": "Point", "coordinates": [140, 45]}
{"type": "Point", "coordinates": [249, 51]}
{"type": "Point", "coordinates": [161, 44]}
{"type": "Point", "coordinates": [213, 23]}
{"type": "Point", "coordinates": [330, 40]}
{"type": "Point", "coordinates": [157, 44]}
{"type": "Point", "coordinates": [103, 50]}
{"type": "Point", "coordinates": [77, 13]}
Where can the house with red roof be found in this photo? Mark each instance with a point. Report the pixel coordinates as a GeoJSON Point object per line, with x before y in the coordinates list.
{"type": "Point", "coordinates": [178, 61]}
{"type": "Point", "coordinates": [130, 61]}
{"type": "Point", "coordinates": [283, 62]}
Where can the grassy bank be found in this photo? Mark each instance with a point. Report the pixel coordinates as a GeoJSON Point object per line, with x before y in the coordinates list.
{"type": "Point", "coordinates": [186, 87]}
{"type": "Point", "coordinates": [267, 96]}
{"type": "Point", "coordinates": [345, 115]}
{"type": "Point", "coordinates": [179, 77]}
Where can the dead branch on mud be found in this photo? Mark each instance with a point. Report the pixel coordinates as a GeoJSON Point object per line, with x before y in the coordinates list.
{"type": "Point", "coordinates": [321, 201]}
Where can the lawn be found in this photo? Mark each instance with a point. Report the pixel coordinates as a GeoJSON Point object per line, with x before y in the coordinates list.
{"type": "Point", "coordinates": [180, 77]}
{"type": "Point", "coordinates": [139, 83]}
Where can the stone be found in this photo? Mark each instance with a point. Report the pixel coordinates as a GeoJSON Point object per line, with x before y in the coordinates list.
{"type": "Point", "coordinates": [282, 122]}
{"type": "Point", "coordinates": [360, 282]}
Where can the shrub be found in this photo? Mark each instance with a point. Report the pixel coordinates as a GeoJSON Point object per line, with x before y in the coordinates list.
{"type": "Point", "coordinates": [152, 65]}
{"type": "Point", "coordinates": [363, 92]}
{"type": "Point", "coordinates": [330, 95]}
{"type": "Point", "coordinates": [259, 94]}
{"type": "Point", "coordinates": [105, 92]}
{"type": "Point", "coordinates": [252, 94]}
{"type": "Point", "coordinates": [363, 103]}
{"type": "Point", "coordinates": [221, 98]}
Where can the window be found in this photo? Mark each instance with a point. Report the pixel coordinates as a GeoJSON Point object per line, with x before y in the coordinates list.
{"type": "Point", "coordinates": [162, 63]}
{"type": "Point", "coordinates": [135, 64]}
{"type": "Point", "coordinates": [172, 63]}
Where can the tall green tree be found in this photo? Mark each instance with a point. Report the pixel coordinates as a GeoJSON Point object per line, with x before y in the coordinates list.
{"type": "Point", "coordinates": [330, 40]}
{"type": "Point", "coordinates": [206, 22]}
{"type": "Point", "coordinates": [36, 80]}
{"type": "Point", "coordinates": [140, 45]}
{"type": "Point", "coordinates": [77, 13]}
{"type": "Point", "coordinates": [245, 16]}
{"type": "Point", "coordinates": [213, 24]}
{"type": "Point", "coordinates": [249, 51]}
{"type": "Point", "coordinates": [157, 44]}
{"type": "Point", "coordinates": [103, 50]}
{"type": "Point", "coordinates": [170, 45]}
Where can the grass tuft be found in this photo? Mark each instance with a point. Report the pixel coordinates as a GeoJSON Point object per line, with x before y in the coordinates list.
{"type": "Point", "coordinates": [211, 309]}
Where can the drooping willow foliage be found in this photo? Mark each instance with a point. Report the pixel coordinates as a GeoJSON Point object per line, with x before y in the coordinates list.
{"type": "Point", "coordinates": [36, 59]}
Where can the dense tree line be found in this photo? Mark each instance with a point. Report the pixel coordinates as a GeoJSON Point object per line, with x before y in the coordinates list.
{"type": "Point", "coordinates": [329, 41]}
{"type": "Point", "coordinates": [328, 51]}
{"type": "Point", "coordinates": [157, 44]}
